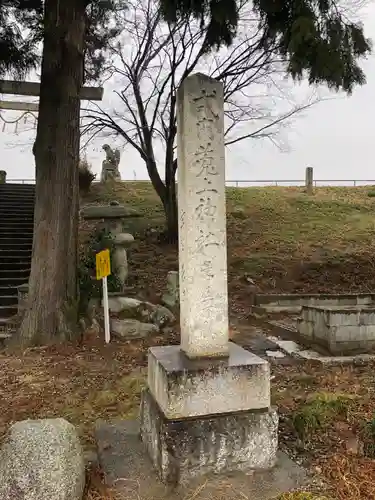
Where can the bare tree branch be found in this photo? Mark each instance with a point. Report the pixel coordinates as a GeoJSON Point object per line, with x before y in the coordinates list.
{"type": "Point", "coordinates": [149, 63]}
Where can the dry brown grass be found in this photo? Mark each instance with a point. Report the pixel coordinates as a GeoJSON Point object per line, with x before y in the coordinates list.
{"type": "Point", "coordinates": [96, 381]}
{"type": "Point", "coordinates": [332, 404]}
{"type": "Point", "coordinates": [283, 239]}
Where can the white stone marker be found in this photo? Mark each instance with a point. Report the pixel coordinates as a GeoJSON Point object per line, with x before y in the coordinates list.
{"type": "Point", "coordinates": [202, 218]}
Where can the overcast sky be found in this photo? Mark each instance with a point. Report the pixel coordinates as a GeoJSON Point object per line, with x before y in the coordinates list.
{"type": "Point", "coordinates": [336, 137]}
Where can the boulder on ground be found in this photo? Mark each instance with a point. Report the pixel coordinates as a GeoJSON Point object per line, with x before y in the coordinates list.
{"type": "Point", "coordinates": [129, 308]}
{"type": "Point", "coordinates": [132, 329]}
{"type": "Point", "coordinates": [42, 460]}
{"type": "Point", "coordinates": [156, 314]}
{"type": "Point", "coordinates": [119, 304]}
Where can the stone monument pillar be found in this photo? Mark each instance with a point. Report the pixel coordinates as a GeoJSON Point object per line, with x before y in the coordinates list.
{"type": "Point", "coordinates": [207, 404]}
{"type": "Point", "coordinates": [309, 180]}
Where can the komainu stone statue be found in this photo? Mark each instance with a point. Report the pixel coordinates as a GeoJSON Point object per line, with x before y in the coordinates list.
{"type": "Point", "coordinates": [110, 170]}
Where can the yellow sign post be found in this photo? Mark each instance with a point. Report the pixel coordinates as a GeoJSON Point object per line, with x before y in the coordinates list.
{"type": "Point", "coordinates": [103, 264]}
{"type": "Point", "coordinates": [103, 270]}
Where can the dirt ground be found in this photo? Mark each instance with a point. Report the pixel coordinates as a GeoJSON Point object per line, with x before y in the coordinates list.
{"type": "Point", "coordinates": [279, 240]}
{"type": "Point", "coordinates": [84, 383]}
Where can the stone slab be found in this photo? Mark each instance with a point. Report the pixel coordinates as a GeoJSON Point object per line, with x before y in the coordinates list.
{"type": "Point", "coordinates": [181, 450]}
{"type": "Point", "coordinates": [128, 470]}
{"type": "Point", "coordinates": [96, 212]}
{"type": "Point", "coordinates": [188, 388]}
{"type": "Point", "coordinates": [299, 352]}
{"type": "Point", "coordinates": [292, 303]}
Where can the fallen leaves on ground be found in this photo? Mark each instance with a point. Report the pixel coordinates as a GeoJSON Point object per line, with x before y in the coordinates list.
{"type": "Point", "coordinates": [284, 241]}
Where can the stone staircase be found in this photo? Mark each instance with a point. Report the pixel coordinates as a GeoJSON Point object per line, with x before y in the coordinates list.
{"type": "Point", "coordinates": [16, 238]}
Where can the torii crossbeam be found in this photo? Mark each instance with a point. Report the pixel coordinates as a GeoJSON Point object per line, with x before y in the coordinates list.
{"type": "Point", "coordinates": [33, 89]}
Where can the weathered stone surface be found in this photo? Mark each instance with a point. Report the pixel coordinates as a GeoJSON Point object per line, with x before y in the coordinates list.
{"type": "Point", "coordinates": [120, 264]}
{"type": "Point", "coordinates": [202, 217]}
{"type": "Point", "coordinates": [132, 329]}
{"type": "Point", "coordinates": [343, 330]}
{"type": "Point", "coordinates": [172, 297]}
{"type": "Point", "coordinates": [309, 181]}
{"type": "Point", "coordinates": [186, 388]}
{"type": "Point", "coordinates": [291, 303]}
{"type": "Point", "coordinates": [23, 293]}
{"type": "Point", "coordinates": [146, 312]}
{"type": "Point", "coordinates": [108, 212]}
{"type": "Point", "coordinates": [123, 239]}
{"type": "Point", "coordinates": [118, 304]}
{"type": "Point", "coordinates": [128, 471]}
{"type": "Point", "coordinates": [155, 313]}
{"type": "Point", "coordinates": [42, 460]}
{"type": "Point", "coordinates": [206, 409]}
{"type": "Point", "coordinates": [183, 449]}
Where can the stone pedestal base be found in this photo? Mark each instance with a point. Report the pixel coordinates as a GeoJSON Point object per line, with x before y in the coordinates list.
{"type": "Point", "coordinates": [183, 449]}
{"type": "Point", "coordinates": [185, 388]}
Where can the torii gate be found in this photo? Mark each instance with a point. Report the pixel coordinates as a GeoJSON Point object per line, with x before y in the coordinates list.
{"type": "Point", "coordinates": [33, 89]}
{"type": "Point", "coordinates": [14, 87]}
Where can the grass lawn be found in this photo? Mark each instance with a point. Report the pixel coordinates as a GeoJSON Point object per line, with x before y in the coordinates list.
{"type": "Point", "coordinates": [284, 241]}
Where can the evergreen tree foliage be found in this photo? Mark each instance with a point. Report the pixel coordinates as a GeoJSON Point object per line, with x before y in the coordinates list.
{"type": "Point", "coordinates": [21, 33]}
{"type": "Point", "coordinates": [315, 37]}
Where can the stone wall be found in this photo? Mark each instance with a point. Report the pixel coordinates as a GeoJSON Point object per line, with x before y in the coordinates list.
{"type": "Point", "coordinates": [293, 302]}
{"type": "Point", "coordinates": [342, 330]}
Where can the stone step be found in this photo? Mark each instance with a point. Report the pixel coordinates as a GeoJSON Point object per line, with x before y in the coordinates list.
{"type": "Point", "coordinates": [14, 258]}
{"type": "Point", "coordinates": [13, 273]}
{"type": "Point", "coordinates": [17, 202]}
{"type": "Point", "coordinates": [12, 232]}
{"type": "Point", "coordinates": [4, 336]}
{"type": "Point", "coordinates": [14, 197]}
{"type": "Point", "coordinates": [11, 201]}
{"type": "Point", "coordinates": [8, 311]}
{"type": "Point", "coordinates": [17, 193]}
{"type": "Point", "coordinates": [13, 218]}
{"type": "Point", "coordinates": [14, 265]}
{"type": "Point", "coordinates": [23, 243]}
{"type": "Point", "coordinates": [19, 237]}
{"type": "Point", "coordinates": [21, 198]}
{"type": "Point", "coordinates": [16, 186]}
{"type": "Point", "coordinates": [9, 225]}
{"type": "Point", "coordinates": [14, 205]}
{"type": "Point", "coordinates": [14, 211]}
{"type": "Point", "coordinates": [21, 211]}
{"type": "Point", "coordinates": [15, 242]}
{"type": "Point", "coordinates": [8, 300]}
{"type": "Point", "coordinates": [13, 281]}
{"type": "Point", "coordinates": [17, 253]}
{"type": "Point", "coordinates": [6, 290]}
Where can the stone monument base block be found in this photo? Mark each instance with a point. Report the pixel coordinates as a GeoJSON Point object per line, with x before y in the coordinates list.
{"type": "Point", "coordinates": [185, 388]}
{"type": "Point", "coordinates": [181, 450]}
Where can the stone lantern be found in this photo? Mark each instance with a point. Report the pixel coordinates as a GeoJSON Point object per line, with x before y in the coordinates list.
{"type": "Point", "coordinates": [113, 217]}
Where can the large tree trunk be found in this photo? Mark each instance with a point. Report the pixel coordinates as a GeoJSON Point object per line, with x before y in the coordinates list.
{"type": "Point", "coordinates": [51, 313]}
{"type": "Point", "coordinates": [170, 208]}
